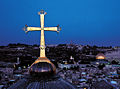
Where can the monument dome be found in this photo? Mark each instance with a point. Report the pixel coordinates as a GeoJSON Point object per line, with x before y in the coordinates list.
{"type": "Point", "coordinates": [100, 56]}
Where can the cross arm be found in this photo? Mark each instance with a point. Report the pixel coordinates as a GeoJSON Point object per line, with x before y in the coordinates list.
{"type": "Point", "coordinates": [33, 28]}
{"type": "Point", "coordinates": [50, 28]}
{"type": "Point", "coordinates": [27, 29]}
{"type": "Point", "coordinates": [53, 28]}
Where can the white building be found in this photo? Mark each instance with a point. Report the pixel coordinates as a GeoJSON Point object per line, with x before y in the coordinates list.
{"type": "Point", "coordinates": [113, 55]}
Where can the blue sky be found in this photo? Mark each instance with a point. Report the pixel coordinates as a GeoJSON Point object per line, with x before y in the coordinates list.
{"type": "Point", "coordinates": [93, 22]}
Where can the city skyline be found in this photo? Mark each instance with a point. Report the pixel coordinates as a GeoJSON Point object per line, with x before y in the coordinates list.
{"type": "Point", "coordinates": [83, 22]}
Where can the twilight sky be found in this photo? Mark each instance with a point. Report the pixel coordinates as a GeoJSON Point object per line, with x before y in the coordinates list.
{"type": "Point", "coordinates": [93, 22]}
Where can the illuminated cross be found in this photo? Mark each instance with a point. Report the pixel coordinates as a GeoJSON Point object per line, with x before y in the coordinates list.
{"type": "Point", "coordinates": [42, 29]}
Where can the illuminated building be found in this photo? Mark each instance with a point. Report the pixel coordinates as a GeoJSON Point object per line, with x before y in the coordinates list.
{"type": "Point", "coordinates": [100, 56]}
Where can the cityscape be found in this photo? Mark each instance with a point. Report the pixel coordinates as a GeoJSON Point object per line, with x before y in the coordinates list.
{"type": "Point", "coordinates": [65, 44]}
{"type": "Point", "coordinates": [87, 67]}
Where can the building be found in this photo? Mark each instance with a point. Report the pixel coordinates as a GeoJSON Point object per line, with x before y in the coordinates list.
{"type": "Point", "coordinates": [100, 56]}
{"type": "Point", "coordinates": [113, 55]}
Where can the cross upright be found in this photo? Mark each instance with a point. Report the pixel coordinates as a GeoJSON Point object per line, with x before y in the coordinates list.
{"type": "Point", "coordinates": [42, 29]}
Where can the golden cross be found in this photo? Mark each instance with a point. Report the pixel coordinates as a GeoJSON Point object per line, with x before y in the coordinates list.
{"type": "Point", "coordinates": [42, 29]}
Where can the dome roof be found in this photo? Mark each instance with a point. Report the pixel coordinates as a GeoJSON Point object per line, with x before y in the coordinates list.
{"type": "Point", "coordinates": [54, 82]}
{"type": "Point", "coordinates": [42, 67]}
{"type": "Point", "coordinates": [100, 56]}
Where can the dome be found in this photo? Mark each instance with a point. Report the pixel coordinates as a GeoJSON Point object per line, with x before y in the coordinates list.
{"type": "Point", "coordinates": [100, 56]}
{"type": "Point", "coordinates": [42, 67]}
